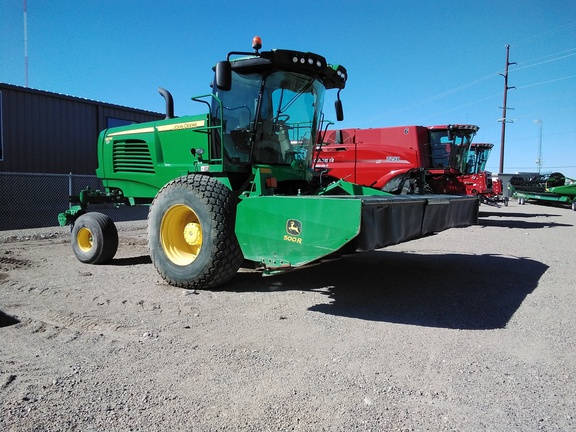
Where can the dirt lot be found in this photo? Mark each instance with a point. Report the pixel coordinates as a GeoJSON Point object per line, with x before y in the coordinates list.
{"type": "Point", "coordinates": [472, 329]}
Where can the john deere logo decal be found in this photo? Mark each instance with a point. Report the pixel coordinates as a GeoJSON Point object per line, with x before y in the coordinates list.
{"type": "Point", "coordinates": [294, 229]}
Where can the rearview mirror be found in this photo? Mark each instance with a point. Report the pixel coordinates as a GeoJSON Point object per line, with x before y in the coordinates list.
{"type": "Point", "coordinates": [339, 110]}
{"type": "Point", "coordinates": [224, 75]}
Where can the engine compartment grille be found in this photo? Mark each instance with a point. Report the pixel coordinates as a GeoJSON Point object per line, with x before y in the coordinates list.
{"type": "Point", "coordinates": [132, 156]}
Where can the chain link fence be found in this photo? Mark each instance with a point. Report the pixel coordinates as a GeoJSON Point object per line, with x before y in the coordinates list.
{"type": "Point", "coordinates": [29, 201]}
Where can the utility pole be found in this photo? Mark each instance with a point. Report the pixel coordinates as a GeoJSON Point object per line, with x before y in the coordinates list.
{"type": "Point", "coordinates": [25, 43]}
{"type": "Point", "coordinates": [504, 108]}
{"type": "Point", "coordinates": [539, 161]}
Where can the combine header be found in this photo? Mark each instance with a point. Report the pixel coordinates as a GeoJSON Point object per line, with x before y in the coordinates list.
{"type": "Point", "coordinates": [235, 184]}
{"type": "Point", "coordinates": [554, 188]}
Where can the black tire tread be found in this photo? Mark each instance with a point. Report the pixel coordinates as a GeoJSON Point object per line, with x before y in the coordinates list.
{"type": "Point", "coordinates": [225, 253]}
{"type": "Point", "coordinates": [105, 238]}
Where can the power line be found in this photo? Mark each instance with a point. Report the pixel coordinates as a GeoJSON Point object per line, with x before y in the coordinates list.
{"type": "Point", "coordinates": [545, 61]}
{"type": "Point", "coordinates": [479, 80]}
{"type": "Point", "coordinates": [432, 98]}
{"type": "Point", "coordinates": [435, 114]}
{"type": "Point", "coordinates": [524, 138]}
{"type": "Point", "coordinates": [547, 82]}
{"type": "Point", "coordinates": [543, 34]}
{"type": "Point", "coordinates": [549, 55]}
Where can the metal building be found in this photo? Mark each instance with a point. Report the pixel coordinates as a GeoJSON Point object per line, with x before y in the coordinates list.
{"type": "Point", "coordinates": [44, 132]}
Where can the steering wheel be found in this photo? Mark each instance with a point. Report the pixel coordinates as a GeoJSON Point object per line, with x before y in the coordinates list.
{"type": "Point", "coordinates": [282, 118]}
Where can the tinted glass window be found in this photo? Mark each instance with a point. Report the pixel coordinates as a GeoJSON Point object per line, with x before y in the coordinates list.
{"type": "Point", "coordinates": [115, 122]}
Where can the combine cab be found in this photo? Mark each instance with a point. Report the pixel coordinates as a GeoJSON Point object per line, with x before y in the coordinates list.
{"type": "Point", "coordinates": [235, 184]}
{"type": "Point", "coordinates": [477, 180]}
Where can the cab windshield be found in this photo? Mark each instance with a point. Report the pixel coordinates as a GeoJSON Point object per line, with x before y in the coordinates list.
{"type": "Point", "coordinates": [477, 159]}
{"type": "Point", "coordinates": [271, 119]}
{"type": "Point", "coordinates": [449, 152]}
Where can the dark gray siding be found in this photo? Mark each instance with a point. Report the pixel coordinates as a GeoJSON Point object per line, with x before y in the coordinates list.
{"type": "Point", "coordinates": [45, 132]}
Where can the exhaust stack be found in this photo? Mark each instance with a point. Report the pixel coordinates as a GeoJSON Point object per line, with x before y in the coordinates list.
{"type": "Point", "coordinates": [169, 102]}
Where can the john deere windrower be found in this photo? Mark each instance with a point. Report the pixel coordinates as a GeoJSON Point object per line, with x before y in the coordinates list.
{"type": "Point", "coordinates": [236, 184]}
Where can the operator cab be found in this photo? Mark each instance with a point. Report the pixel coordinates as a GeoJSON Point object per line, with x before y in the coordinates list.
{"type": "Point", "coordinates": [268, 105]}
{"type": "Point", "coordinates": [449, 146]}
{"type": "Point", "coordinates": [269, 119]}
{"type": "Point", "coordinates": [478, 157]}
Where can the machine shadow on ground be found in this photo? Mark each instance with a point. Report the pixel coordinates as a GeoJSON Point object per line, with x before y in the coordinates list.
{"type": "Point", "coordinates": [436, 290]}
{"type": "Point", "coordinates": [7, 320]}
{"type": "Point", "coordinates": [131, 261]}
{"type": "Point", "coordinates": [517, 220]}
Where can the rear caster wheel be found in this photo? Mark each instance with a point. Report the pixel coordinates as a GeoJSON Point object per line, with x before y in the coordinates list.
{"type": "Point", "coordinates": [94, 238]}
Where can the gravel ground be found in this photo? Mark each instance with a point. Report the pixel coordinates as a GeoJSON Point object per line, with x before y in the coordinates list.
{"type": "Point", "coordinates": [472, 329]}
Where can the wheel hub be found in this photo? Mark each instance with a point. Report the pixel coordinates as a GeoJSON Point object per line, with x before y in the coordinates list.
{"type": "Point", "coordinates": [193, 234]}
{"type": "Point", "coordinates": [84, 239]}
{"type": "Point", "coordinates": [181, 234]}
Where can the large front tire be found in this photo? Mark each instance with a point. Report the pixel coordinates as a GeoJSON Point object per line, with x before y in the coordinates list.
{"type": "Point", "coordinates": [94, 238]}
{"type": "Point", "coordinates": [191, 233]}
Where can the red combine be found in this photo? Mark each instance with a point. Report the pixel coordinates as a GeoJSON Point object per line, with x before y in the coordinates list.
{"type": "Point", "coordinates": [408, 159]}
{"type": "Point", "coordinates": [477, 180]}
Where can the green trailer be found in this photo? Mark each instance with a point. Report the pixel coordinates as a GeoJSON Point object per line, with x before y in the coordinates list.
{"type": "Point", "coordinates": [552, 188]}
{"type": "Point", "coordinates": [236, 185]}
{"type": "Point", "coordinates": [563, 195]}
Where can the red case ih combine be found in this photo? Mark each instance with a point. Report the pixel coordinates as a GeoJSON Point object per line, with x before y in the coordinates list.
{"type": "Point", "coordinates": [409, 159]}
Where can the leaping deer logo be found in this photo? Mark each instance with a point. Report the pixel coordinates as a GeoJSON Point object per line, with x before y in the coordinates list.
{"type": "Point", "coordinates": [294, 227]}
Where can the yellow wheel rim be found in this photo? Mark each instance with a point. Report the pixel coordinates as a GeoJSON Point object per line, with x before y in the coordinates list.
{"type": "Point", "coordinates": [181, 234]}
{"type": "Point", "coordinates": [84, 239]}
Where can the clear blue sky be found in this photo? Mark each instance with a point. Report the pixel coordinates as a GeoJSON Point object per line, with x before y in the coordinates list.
{"type": "Point", "coordinates": [409, 62]}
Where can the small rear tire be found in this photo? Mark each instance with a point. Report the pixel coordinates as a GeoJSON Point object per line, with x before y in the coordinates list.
{"type": "Point", "coordinates": [94, 238]}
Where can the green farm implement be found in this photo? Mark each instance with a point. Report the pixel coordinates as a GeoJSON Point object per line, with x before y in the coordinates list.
{"type": "Point", "coordinates": [236, 184]}
{"type": "Point", "coordinates": [552, 188]}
